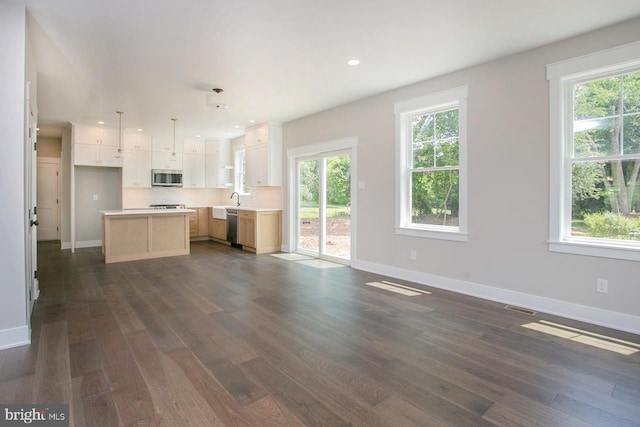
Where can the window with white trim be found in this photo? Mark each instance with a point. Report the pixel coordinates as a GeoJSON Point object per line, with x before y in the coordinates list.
{"type": "Point", "coordinates": [595, 154]}
{"type": "Point", "coordinates": [431, 144]}
{"type": "Point", "coordinates": [240, 181]}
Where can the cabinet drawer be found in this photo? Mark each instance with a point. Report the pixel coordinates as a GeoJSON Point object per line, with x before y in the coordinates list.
{"type": "Point", "coordinates": [246, 214]}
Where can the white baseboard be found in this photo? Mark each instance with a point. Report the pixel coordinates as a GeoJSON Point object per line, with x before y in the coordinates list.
{"type": "Point", "coordinates": [15, 337]}
{"type": "Point", "coordinates": [596, 316]}
{"type": "Point", "coordinates": [65, 245]}
{"type": "Point", "coordinates": [88, 243]}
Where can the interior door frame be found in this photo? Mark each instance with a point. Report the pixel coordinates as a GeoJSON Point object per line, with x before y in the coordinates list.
{"type": "Point", "coordinates": [346, 146]}
{"type": "Point", "coordinates": [31, 158]}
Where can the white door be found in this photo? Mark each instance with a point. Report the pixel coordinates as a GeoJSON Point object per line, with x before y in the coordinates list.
{"type": "Point", "coordinates": [31, 160]}
{"type": "Point", "coordinates": [48, 188]}
{"type": "Point", "coordinates": [324, 206]}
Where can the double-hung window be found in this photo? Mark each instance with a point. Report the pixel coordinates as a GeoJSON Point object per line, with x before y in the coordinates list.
{"type": "Point", "coordinates": [595, 154]}
{"type": "Point", "coordinates": [431, 141]}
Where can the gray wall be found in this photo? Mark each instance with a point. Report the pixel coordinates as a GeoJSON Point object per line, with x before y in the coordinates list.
{"type": "Point", "coordinates": [13, 305]}
{"type": "Point", "coordinates": [106, 184]}
{"type": "Point", "coordinates": [508, 188]}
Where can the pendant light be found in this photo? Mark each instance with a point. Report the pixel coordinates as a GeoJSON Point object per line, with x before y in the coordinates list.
{"type": "Point", "coordinates": [173, 154]}
{"type": "Point", "coordinates": [119, 155]}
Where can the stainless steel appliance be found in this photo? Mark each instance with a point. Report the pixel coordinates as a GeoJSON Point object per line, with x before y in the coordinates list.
{"type": "Point", "coordinates": [166, 178]}
{"type": "Point", "coordinates": [168, 206]}
{"type": "Point", "coordinates": [232, 226]}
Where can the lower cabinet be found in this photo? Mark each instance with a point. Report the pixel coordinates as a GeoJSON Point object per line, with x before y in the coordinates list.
{"type": "Point", "coordinates": [218, 228]}
{"type": "Point", "coordinates": [247, 228]}
{"type": "Point", "coordinates": [199, 223]}
{"type": "Point", "coordinates": [260, 231]}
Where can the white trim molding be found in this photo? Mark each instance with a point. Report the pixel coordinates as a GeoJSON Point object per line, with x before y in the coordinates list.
{"type": "Point", "coordinates": [15, 337]}
{"type": "Point", "coordinates": [404, 112]}
{"type": "Point", "coordinates": [562, 76]}
{"type": "Point", "coordinates": [349, 144]}
{"type": "Point", "coordinates": [88, 243]}
{"type": "Point", "coordinates": [610, 319]}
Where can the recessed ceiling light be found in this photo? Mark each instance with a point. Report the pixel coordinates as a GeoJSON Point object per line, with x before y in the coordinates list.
{"type": "Point", "coordinates": [139, 130]}
{"type": "Point", "coordinates": [237, 126]}
{"type": "Point", "coordinates": [198, 136]}
{"type": "Point", "coordinates": [100, 122]}
{"type": "Point", "coordinates": [353, 62]}
{"type": "Point", "coordinates": [252, 121]}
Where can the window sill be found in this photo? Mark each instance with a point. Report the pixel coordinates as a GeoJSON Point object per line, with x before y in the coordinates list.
{"type": "Point", "coordinates": [606, 249]}
{"type": "Point", "coordinates": [433, 233]}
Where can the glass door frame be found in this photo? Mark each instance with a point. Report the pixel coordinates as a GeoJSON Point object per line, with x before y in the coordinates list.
{"type": "Point", "coordinates": [320, 151]}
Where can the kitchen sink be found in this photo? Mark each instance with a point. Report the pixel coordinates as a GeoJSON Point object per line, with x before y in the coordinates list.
{"type": "Point", "coordinates": [219, 212]}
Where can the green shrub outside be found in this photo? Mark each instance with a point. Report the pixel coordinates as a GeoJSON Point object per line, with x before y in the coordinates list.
{"type": "Point", "coordinates": [613, 225]}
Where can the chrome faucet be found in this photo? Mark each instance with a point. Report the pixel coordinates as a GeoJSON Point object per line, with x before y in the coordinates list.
{"type": "Point", "coordinates": [236, 195]}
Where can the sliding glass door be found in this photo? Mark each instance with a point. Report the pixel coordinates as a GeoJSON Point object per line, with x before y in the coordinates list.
{"type": "Point", "coordinates": [324, 206]}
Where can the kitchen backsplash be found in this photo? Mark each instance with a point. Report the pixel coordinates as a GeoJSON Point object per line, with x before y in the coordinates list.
{"type": "Point", "coordinates": [261, 197]}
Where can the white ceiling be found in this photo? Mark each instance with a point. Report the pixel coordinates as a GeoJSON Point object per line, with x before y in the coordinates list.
{"type": "Point", "coordinates": [276, 60]}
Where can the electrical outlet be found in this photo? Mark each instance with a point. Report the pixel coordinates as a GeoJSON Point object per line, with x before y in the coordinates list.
{"type": "Point", "coordinates": [412, 255]}
{"type": "Point", "coordinates": [602, 286]}
{"type": "Point", "coordinates": [95, 197]}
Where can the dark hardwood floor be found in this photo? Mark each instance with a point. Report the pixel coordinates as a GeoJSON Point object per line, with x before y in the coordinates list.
{"type": "Point", "coordinates": [225, 337]}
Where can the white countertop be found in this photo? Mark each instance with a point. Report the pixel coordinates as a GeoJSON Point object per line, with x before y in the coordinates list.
{"type": "Point", "coordinates": [146, 212]}
{"type": "Point", "coordinates": [249, 208]}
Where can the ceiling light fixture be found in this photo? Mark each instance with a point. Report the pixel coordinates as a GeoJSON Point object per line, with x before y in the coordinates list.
{"type": "Point", "coordinates": [216, 100]}
{"type": "Point", "coordinates": [173, 155]}
{"type": "Point", "coordinates": [119, 155]}
{"type": "Point", "coordinates": [353, 62]}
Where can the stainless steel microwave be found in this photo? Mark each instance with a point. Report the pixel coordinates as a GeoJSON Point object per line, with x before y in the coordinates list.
{"type": "Point", "coordinates": [166, 178]}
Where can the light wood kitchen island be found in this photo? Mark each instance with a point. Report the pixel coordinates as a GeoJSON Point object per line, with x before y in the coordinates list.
{"type": "Point", "coordinates": [135, 234]}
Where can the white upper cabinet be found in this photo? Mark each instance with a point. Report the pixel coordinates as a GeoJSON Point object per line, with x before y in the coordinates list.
{"type": "Point", "coordinates": [166, 160]}
{"type": "Point", "coordinates": [166, 144]}
{"type": "Point", "coordinates": [193, 168]}
{"type": "Point", "coordinates": [137, 141]}
{"type": "Point", "coordinates": [263, 155]}
{"type": "Point", "coordinates": [96, 146]}
{"type": "Point", "coordinates": [136, 170]}
{"type": "Point", "coordinates": [218, 166]}
{"type": "Point", "coordinates": [193, 163]}
{"type": "Point", "coordinates": [193, 146]}
{"type": "Point", "coordinates": [96, 135]}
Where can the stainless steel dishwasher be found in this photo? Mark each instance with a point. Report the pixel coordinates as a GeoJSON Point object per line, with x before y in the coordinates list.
{"type": "Point", "coordinates": [232, 226]}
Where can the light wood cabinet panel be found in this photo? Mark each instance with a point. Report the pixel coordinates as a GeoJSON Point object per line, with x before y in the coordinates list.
{"type": "Point", "coordinates": [203, 221]}
{"type": "Point", "coordinates": [260, 231]}
{"type": "Point", "coordinates": [247, 229]}
{"type": "Point", "coordinates": [218, 228]}
{"type": "Point", "coordinates": [199, 223]}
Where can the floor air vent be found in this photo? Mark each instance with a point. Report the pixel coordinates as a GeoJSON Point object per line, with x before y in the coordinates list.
{"type": "Point", "coordinates": [520, 310]}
